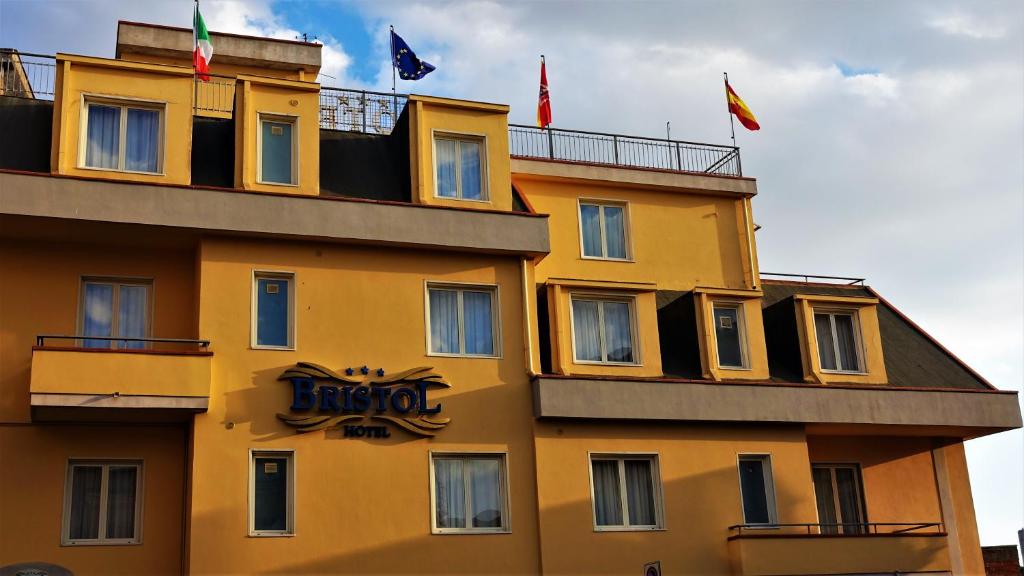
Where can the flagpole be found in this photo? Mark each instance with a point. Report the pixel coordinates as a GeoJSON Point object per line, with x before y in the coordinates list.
{"type": "Point", "coordinates": [394, 93]}
{"type": "Point", "coordinates": [551, 137]}
{"type": "Point", "coordinates": [195, 44]}
{"type": "Point", "coordinates": [732, 127]}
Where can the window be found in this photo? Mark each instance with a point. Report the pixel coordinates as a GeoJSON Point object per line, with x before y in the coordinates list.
{"type": "Point", "coordinates": [603, 230]}
{"type": "Point", "coordinates": [730, 335]}
{"type": "Point", "coordinates": [115, 308]}
{"type": "Point", "coordinates": [627, 492]}
{"type": "Point", "coordinates": [840, 499]}
{"type": "Point", "coordinates": [123, 137]}
{"type": "Point", "coordinates": [103, 502]}
{"type": "Point", "coordinates": [838, 341]}
{"type": "Point", "coordinates": [462, 320]}
{"type": "Point", "coordinates": [757, 491]}
{"type": "Point", "coordinates": [469, 493]}
{"type": "Point", "coordinates": [460, 166]}
{"type": "Point", "coordinates": [603, 330]}
{"type": "Point", "coordinates": [272, 493]}
{"type": "Point", "coordinates": [277, 143]}
{"type": "Point", "coordinates": [273, 310]}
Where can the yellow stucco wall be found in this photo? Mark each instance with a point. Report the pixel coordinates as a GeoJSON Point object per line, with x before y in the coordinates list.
{"type": "Point", "coordinates": [362, 505]}
{"type": "Point", "coordinates": [431, 116]}
{"type": "Point", "coordinates": [766, 555]}
{"type": "Point", "coordinates": [124, 373]}
{"type": "Point", "coordinates": [32, 495]}
{"type": "Point", "coordinates": [700, 483]}
{"type": "Point", "coordinates": [870, 339]}
{"type": "Point", "coordinates": [48, 303]}
{"type": "Point", "coordinates": [167, 86]}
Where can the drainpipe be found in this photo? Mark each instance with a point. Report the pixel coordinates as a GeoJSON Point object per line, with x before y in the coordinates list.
{"type": "Point", "coordinates": [527, 324]}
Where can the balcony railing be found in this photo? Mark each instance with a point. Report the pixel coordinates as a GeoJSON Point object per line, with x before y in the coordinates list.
{"type": "Point", "coordinates": [115, 343]}
{"type": "Point", "coordinates": [360, 110]}
{"type": "Point", "coordinates": [849, 529]}
{"type": "Point", "coordinates": [215, 96]}
{"type": "Point", "coordinates": [27, 75]}
{"type": "Point", "coordinates": [619, 150]}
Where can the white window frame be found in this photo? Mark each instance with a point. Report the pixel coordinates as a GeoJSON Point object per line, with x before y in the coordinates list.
{"type": "Point", "coordinates": [116, 282]}
{"type": "Point", "coordinates": [627, 236]}
{"type": "Point", "coordinates": [289, 454]}
{"type": "Point", "coordinates": [600, 298]}
{"type": "Point", "coordinates": [769, 487]}
{"type": "Point", "coordinates": [106, 464]}
{"type": "Point", "coordinates": [741, 326]}
{"type": "Point", "coordinates": [459, 288]}
{"type": "Point", "coordinates": [277, 118]}
{"type": "Point", "coordinates": [857, 338]}
{"type": "Point", "coordinates": [506, 498]}
{"type": "Point", "coordinates": [459, 137]}
{"type": "Point", "coordinates": [254, 305]}
{"type": "Point", "coordinates": [124, 104]}
{"type": "Point", "coordinates": [657, 491]}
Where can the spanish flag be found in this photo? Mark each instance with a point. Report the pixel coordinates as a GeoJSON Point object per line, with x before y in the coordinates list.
{"type": "Point", "coordinates": [737, 107]}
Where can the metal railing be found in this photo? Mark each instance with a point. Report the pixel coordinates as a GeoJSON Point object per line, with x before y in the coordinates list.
{"type": "Point", "coordinates": [840, 529]}
{"type": "Point", "coordinates": [27, 75]}
{"type": "Point", "coordinates": [115, 343]}
{"type": "Point", "coordinates": [360, 110]}
{"type": "Point", "coordinates": [807, 278]}
{"type": "Point", "coordinates": [216, 95]}
{"type": "Point", "coordinates": [620, 150]}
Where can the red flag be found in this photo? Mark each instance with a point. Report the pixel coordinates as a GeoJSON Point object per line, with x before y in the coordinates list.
{"type": "Point", "coordinates": [739, 109]}
{"type": "Point", "coordinates": [544, 102]}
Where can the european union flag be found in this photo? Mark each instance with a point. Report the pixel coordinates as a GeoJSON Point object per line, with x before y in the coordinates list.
{"type": "Point", "coordinates": [404, 59]}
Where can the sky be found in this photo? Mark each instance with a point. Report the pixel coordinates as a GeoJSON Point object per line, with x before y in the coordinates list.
{"type": "Point", "coordinates": [891, 143]}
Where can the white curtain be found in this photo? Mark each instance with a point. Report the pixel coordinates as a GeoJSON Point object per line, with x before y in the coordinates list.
{"type": "Point", "coordinates": [103, 138]}
{"type": "Point", "coordinates": [607, 499]}
{"type": "Point", "coordinates": [849, 500]}
{"type": "Point", "coordinates": [84, 523]}
{"type": "Point", "coordinates": [640, 493]}
{"type": "Point", "coordinates": [823, 331]}
{"type": "Point", "coordinates": [471, 173]}
{"type": "Point", "coordinates": [444, 322]}
{"type": "Point", "coordinates": [847, 342]}
{"type": "Point", "coordinates": [446, 180]}
{"type": "Point", "coordinates": [476, 320]}
{"type": "Point", "coordinates": [450, 493]}
{"type": "Point", "coordinates": [121, 483]}
{"type": "Point", "coordinates": [143, 134]}
{"type": "Point", "coordinates": [586, 326]}
{"type": "Point", "coordinates": [614, 231]}
{"type": "Point", "coordinates": [618, 332]}
{"type": "Point", "coordinates": [824, 499]}
{"type": "Point", "coordinates": [485, 492]}
{"type": "Point", "coordinates": [590, 221]}
{"type": "Point", "coordinates": [131, 319]}
{"type": "Point", "coordinates": [98, 317]}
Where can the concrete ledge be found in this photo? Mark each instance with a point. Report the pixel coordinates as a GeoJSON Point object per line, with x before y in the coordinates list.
{"type": "Point", "coordinates": [288, 216]}
{"type": "Point", "coordinates": [188, 403]}
{"type": "Point", "coordinates": [565, 397]}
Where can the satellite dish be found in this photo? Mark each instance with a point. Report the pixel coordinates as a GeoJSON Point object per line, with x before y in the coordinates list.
{"type": "Point", "coordinates": [652, 568]}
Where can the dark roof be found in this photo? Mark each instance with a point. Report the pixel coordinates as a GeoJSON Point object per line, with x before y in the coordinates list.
{"type": "Point", "coordinates": [912, 357]}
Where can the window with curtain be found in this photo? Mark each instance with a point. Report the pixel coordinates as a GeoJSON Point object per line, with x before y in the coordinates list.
{"type": "Point", "coordinates": [278, 162]}
{"type": "Point", "coordinates": [459, 163]}
{"type": "Point", "coordinates": [626, 492]}
{"type": "Point", "coordinates": [271, 475]}
{"type": "Point", "coordinates": [729, 335]}
{"type": "Point", "coordinates": [462, 320]}
{"type": "Point", "coordinates": [757, 491]}
{"type": "Point", "coordinates": [469, 493]}
{"type": "Point", "coordinates": [840, 498]}
{"type": "Point", "coordinates": [102, 503]}
{"type": "Point", "coordinates": [838, 341]}
{"type": "Point", "coordinates": [603, 230]}
{"type": "Point", "coordinates": [123, 137]}
{"type": "Point", "coordinates": [274, 326]}
{"type": "Point", "coordinates": [603, 330]}
{"type": "Point", "coordinates": [116, 309]}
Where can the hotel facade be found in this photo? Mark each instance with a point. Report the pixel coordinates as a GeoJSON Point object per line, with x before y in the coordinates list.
{"type": "Point", "coordinates": [260, 325]}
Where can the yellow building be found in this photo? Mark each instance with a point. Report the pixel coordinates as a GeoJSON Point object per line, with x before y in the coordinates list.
{"type": "Point", "coordinates": [258, 325]}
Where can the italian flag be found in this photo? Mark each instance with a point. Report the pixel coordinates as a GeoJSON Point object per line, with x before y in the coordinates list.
{"type": "Point", "coordinates": [203, 50]}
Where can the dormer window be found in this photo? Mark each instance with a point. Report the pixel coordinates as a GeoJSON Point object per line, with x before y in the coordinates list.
{"type": "Point", "coordinates": [838, 341]}
{"type": "Point", "coordinates": [122, 136]}
{"type": "Point", "coordinates": [460, 167]}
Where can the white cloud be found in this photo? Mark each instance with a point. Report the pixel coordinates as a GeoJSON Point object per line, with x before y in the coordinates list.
{"type": "Point", "coordinates": [961, 24]}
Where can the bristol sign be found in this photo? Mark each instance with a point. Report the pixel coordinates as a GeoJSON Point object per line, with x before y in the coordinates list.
{"type": "Point", "coordinates": [345, 401]}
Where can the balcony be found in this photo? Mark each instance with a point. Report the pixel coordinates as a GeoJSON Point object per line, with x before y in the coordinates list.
{"type": "Point", "coordinates": [127, 379]}
{"type": "Point", "coordinates": [804, 549]}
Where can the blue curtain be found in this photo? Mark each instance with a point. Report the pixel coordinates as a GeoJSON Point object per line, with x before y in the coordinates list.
{"type": "Point", "coordinates": [98, 317]}
{"type": "Point", "coordinates": [143, 140]}
{"type": "Point", "coordinates": [444, 321]}
{"type": "Point", "coordinates": [607, 498]}
{"type": "Point", "coordinates": [277, 152]}
{"type": "Point", "coordinates": [618, 332]}
{"type": "Point", "coordinates": [472, 188]}
{"type": "Point", "coordinates": [614, 232]}
{"type": "Point", "coordinates": [449, 495]}
{"type": "Point", "coordinates": [476, 319]}
{"type": "Point", "coordinates": [586, 326]}
{"type": "Point", "coordinates": [446, 176]}
{"type": "Point", "coordinates": [103, 137]}
{"type": "Point", "coordinates": [131, 318]}
{"type": "Point", "coordinates": [590, 221]}
{"type": "Point", "coordinates": [485, 492]}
